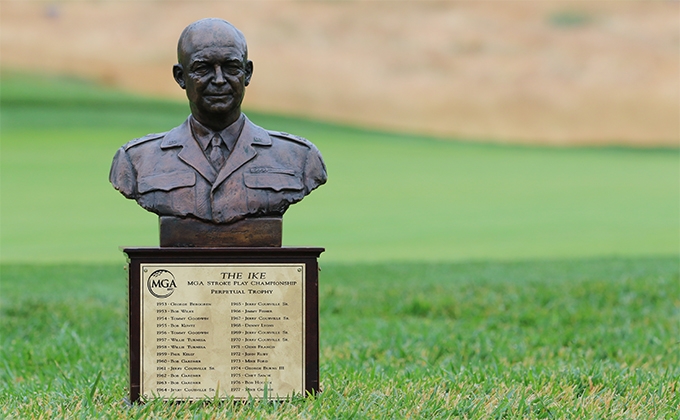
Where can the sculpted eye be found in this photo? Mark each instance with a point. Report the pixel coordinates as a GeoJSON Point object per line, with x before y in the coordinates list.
{"type": "Point", "coordinates": [232, 70]}
{"type": "Point", "coordinates": [201, 69]}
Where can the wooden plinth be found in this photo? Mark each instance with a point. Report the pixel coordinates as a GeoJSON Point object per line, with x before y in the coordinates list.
{"type": "Point", "coordinates": [179, 297]}
{"type": "Point", "coordinates": [255, 232]}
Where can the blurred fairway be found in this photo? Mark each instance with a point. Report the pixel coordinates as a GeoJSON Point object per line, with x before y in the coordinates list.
{"type": "Point", "coordinates": [389, 197]}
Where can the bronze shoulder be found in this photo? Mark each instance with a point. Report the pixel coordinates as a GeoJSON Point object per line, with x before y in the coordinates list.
{"type": "Point", "coordinates": [141, 140]}
{"type": "Point", "coordinates": [292, 137]}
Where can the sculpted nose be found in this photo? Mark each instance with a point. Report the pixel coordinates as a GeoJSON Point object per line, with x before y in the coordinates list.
{"type": "Point", "coordinates": [219, 76]}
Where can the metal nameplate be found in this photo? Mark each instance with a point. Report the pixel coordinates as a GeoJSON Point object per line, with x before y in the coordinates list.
{"type": "Point", "coordinates": [222, 330]}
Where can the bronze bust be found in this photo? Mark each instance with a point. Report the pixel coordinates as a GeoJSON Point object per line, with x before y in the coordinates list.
{"type": "Point", "coordinates": [217, 167]}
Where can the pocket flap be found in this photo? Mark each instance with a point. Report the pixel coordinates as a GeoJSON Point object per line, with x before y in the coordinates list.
{"type": "Point", "coordinates": [276, 181]}
{"type": "Point", "coordinates": [166, 182]}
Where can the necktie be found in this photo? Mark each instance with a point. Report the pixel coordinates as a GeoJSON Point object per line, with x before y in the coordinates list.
{"type": "Point", "coordinates": [216, 156]}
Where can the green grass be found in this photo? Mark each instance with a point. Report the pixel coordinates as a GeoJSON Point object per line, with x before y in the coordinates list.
{"type": "Point", "coordinates": [389, 197]}
{"type": "Point", "coordinates": [553, 339]}
{"type": "Point", "coordinates": [461, 280]}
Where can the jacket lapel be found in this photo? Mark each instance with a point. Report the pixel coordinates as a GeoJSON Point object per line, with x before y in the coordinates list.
{"type": "Point", "coordinates": [191, 152]}
{"type": "Point", "coordinates": [243, 150]}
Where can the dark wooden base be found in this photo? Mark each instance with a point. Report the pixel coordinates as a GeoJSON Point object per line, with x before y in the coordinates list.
{"type": "Point", "coordinates": [255, 232]}
{"type": "Point", "coordinates": [241, 255]}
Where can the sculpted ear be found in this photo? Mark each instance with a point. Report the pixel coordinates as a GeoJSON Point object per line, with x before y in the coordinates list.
{"type": "Point", "coordinates": [178, 74]}
{"type": "Point", "coordinates": [249, 71]}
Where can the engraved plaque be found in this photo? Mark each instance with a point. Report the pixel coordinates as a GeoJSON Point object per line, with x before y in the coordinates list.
{"type": "Point", "coordinates": [208, 329]}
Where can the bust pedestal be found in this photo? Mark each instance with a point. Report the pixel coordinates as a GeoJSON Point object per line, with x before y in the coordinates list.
{"type": "Point", "coordinates": [222, 311]}
{"type": "Point", "coordinates": [188, 232]}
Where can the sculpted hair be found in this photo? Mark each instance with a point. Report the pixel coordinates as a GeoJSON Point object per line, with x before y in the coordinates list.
{"type": "Point", "coordinates": [207, 23]}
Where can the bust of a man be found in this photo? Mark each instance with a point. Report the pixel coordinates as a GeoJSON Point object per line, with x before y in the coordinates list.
{"type": "Point", "coordinates": [217, 167]}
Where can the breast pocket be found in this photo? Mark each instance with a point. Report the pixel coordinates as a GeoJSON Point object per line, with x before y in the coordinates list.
{"type": "Point", "coordinates": [172, 193]}
{"type": "Point", "coordinates": [166, 182]}
{"type": "Point", "coordinates": [271, 190]}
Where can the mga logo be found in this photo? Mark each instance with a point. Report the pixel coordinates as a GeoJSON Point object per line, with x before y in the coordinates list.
{"type": "Point", "coordinates": [161, 283]}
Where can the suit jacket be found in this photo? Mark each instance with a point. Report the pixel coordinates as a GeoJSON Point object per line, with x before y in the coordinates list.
{"type": "Point", "coordinates": [169, 174]}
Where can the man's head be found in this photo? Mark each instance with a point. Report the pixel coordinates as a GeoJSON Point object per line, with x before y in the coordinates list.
{"type": "Point", "coordinates": [214, 69]}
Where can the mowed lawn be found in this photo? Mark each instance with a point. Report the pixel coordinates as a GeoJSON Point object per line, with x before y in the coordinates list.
{"type": "Point", "coordinates": [460, 280]}
{"type": "Point", "coordinates": [553, 339]}
{"type": "Point", "coordinates": [389, 197]}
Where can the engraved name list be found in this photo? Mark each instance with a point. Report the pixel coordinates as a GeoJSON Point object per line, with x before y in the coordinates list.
{"type": "Point", "coordinates": [225, 330]}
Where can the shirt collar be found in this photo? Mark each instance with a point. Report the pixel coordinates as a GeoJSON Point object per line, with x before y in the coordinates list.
{"type": "Point", "coordinates": [229, 135]}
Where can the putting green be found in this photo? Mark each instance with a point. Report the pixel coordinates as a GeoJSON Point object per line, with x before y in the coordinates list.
{"type": "Point", "coordinates": [389, 197]}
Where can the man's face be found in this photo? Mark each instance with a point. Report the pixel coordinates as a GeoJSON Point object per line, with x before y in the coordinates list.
{"type": "Point", "coordinates": [214, 71]}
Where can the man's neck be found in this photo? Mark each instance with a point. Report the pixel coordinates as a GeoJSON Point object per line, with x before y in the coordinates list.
{"type": "Point", "coordinates": [217, 122]}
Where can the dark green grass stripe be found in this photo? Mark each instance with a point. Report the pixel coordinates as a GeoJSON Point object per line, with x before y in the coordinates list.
{"type": "Point", "coordinates": [593, 338]}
